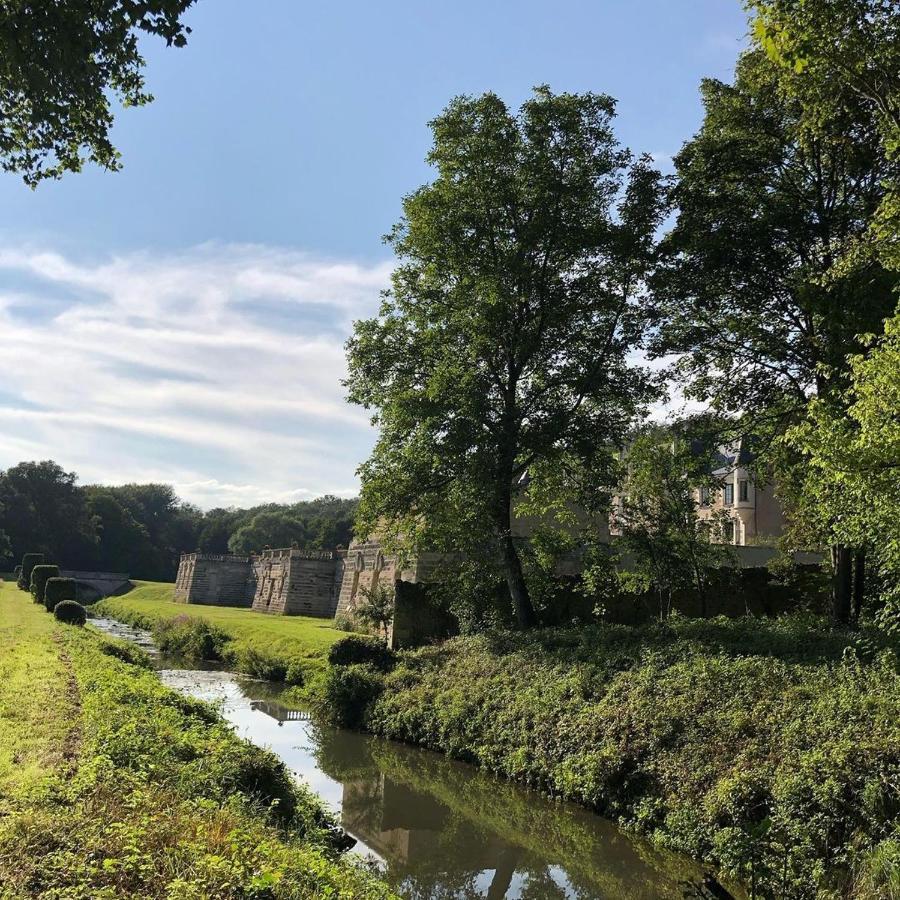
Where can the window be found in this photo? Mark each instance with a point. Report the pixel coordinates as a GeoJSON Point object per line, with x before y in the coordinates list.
{"type": "Point", "coordinates": [743, 492]}
{"type": "Point", "coordinates": [729, 495]}
{"type": "Point", "coordinates": [728, 531]}
{"type": "Point", "coordinates": [704, 496]}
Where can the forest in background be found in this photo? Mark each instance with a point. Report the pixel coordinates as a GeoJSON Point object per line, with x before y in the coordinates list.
{"type": "Point", "coordinates": [143, 528]}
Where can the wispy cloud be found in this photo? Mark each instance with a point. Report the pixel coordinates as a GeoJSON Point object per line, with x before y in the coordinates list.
{"type": "Point", "coordinates": [217, 369]}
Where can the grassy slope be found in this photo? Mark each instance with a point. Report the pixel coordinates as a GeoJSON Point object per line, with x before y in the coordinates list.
{"type": "Point", "coordinates": [276, 647]}
{"type": "Point", "coordinates": [123, 788]}
{"type": "Point", "coordinates": [769, 748]}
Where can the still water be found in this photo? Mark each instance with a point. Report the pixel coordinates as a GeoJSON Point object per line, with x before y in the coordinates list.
{"type": "Point", "coordinates": [435, 827]}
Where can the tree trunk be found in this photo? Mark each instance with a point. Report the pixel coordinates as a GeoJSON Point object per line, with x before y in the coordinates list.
{"type": "Point", "coordinates": [512, 567]}
{"type": "Point", "coordinates": [859, 583]}
{"type": "Point", "coordinates": [842, 580]}
{"type": "Point", "coordinates": [515, 581]}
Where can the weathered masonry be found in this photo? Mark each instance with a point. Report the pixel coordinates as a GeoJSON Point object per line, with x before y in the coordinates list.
{"type": "Point", "coordinates": [286, 582]}
{"type": "Point", "coordinates": [294, 582]}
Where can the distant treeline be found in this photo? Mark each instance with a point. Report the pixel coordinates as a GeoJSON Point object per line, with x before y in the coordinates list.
{"type": "Point", "coordinates": [143, 528]}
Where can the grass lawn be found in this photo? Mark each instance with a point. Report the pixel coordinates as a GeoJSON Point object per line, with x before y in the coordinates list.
{"type": "Point", "coordinates": [36, 709]}
{"type": "Point", "coordinates": [280, 648]}
{"type": "Point", "coordinates": [112, 785]}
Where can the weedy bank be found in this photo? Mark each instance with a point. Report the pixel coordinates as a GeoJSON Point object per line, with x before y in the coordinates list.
{"type": "Point", "coordinates": [770, 748]}
{"type": "Point", "coordinates": [111, 785]}
{"type": "Point", "coordinates": [292, 649]}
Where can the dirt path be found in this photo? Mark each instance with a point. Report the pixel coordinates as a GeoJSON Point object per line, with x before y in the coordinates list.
{"type": "Point", "coordinates": [72, 744]}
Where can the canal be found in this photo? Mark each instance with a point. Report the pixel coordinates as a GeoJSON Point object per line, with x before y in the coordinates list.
{"type": "Point", "coordinates": [437, 828]}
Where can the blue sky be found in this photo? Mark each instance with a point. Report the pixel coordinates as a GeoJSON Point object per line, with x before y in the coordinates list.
{"type": "Point", "coordinates": [182, 320]}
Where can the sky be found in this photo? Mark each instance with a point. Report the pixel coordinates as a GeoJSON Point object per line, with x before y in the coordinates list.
{"type": "Point", "coordinates": [183, 320]}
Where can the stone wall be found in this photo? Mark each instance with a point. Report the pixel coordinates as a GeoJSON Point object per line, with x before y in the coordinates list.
{"type": "Point", "coordinates": [297, 582]}
{"type": "Point", "coordinates": [214, 580]}
{"type": "Point", "coordinates": [366, 564]}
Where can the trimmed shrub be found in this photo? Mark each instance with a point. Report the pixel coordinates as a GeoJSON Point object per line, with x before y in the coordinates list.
{"type": "Point", "coordinates": [355, 649]}
{"type": "Point", "coordinates": [71, 612]}
{"type": "Point", "coordinates": [58, 589]}
{"type": "Point", "coordinates": [29, 561]}
{"type": "Point", "coordinates": [349, 693]}
{"type": "Point", "coordinates": [39, 577]}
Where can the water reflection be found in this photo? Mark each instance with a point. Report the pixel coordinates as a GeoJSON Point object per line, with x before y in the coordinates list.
{"type": "Point", "coordinates": [442, 829]}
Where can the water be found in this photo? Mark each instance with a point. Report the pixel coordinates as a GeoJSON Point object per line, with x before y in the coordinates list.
{"type": "Point", "coordinates": [438, 828]}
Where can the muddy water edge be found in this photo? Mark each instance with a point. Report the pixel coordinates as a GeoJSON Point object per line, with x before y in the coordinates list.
{"type": "Point", "coordinates": [438, 828]}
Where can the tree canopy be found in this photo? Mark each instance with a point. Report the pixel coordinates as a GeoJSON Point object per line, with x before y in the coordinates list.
{"type": "Point", "coordinates": [61, 63]}
{"type": "Point", "coordinates": [502, 347]}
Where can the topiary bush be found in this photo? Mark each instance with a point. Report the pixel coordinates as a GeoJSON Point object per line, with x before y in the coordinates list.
{"type": "Point", "coordinates": [355, 649]}
{"type": "Point", "coordinates": [29, 561]}
{"type": "Point", "coordinates": [59, 589]}
{"type": "Point", "coordinates": [39, 577]}
{"type": "Point", "coordinates": [71, 612]}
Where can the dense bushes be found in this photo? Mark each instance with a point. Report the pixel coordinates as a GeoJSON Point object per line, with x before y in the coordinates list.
{"type": "Point", "coordinates": [58, 589]}
{"type": "Point", "coordinates": [361, 649]}
{"type": "Point", "coordinates": [29, 561]}
{"type": "Point", "coordinates": [39, 576]}
{"type": "Point", "coordinates": [770, 748]}
{"type": "Point", "coordinates": [190, 638]}
{"type": "Point", "coordinates": [71, 612]}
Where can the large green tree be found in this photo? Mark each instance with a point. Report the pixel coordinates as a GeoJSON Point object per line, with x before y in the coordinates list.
{"type": "Point", "coordinates": [502, 347]}
{"type": "Point", "coordinates": [766, 209]}
{"type": "Point", "coordinates": [42, 510]}
{"type": "Point", "coordinates": [770, 276]}
{"type": "Point", "coordinates": [61, 64]}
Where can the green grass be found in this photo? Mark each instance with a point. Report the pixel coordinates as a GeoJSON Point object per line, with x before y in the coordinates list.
{"type": "Point", "coordinates": [114, 786]}
{"type": "Point", "coordinates": [35, 707]}
{"type": "Point", "coordinates": [280, 648]}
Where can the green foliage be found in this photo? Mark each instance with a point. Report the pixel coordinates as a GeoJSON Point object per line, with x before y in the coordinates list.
{"type": "Point", "coordinates": [854, 461]}
{"type": "Point", "coordinates": [359, 649]}
{"type": "Point", "coordinates": [62, 64]}
{"type": "Point", "coordinates": [126, 652]}
{"type": "Point", "coordinates": [348, 693]}
{"type": "Point", "coordinates": [57, 590]}
{"type": "Point", "coordinates": [29, 561]}
{"type": "Point", "coordinates": [667, 546]}
{"type": "Point", "coordinates": [71, 612]}
{"type": "Point", "coordinates": [767, 206]}
{"type": "Point", "coordinates": [376, 607]}
{"type": "Point", "coordinates": [765, 746]}
{"type": "Point", "coordinates": [190, 638]}
{"type": "Point", "coordinates": [39, 576]}
{"type": "Point", "coordinates": [502, 347]}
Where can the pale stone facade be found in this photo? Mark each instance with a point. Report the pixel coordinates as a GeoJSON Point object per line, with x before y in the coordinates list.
{"type": "Point", "coordinates": [753, 511]}
{"type": "Point", "coordinates": [285, 582]}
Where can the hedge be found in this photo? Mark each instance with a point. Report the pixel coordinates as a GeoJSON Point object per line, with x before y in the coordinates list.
{"type": "Point", "coordinates": [39, 576]}
{"type": "Point", "coordinates": [29, 561]}
{"type": "Point", "coordinates": [59, 589]}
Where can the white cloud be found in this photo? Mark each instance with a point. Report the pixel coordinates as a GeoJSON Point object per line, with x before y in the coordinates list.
{"type": "Point", "coordinates": [217, 369]}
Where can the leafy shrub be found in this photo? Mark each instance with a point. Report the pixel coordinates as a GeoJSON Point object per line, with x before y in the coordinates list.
{"type": "Point", "coordinates": [29, 561]}
{"type": "Point", "coordinates": [39, 576]}
{"type": "Point", "coordinates": [258, 662]}
{"type": "Point", "coordinates": [348, 694]}
{"type": "Point", "coordinates": [343, 622]}
{"type": "Point", "coordinates": [58, 589]}
{"type": "Point", "coordinates": [70, 612]}
{"type": "Point", "coordinates": [190, 638]}
{"type": "Point", "coordinates": [355, 649]}
{"type": "Point", "coordinates": [127, 652]}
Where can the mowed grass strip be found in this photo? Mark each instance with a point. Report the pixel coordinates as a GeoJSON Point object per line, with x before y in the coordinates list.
{"type": "Point", "coordinates": [293, 649]}
{"type": "Point", "coordinates": [37, 709]}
